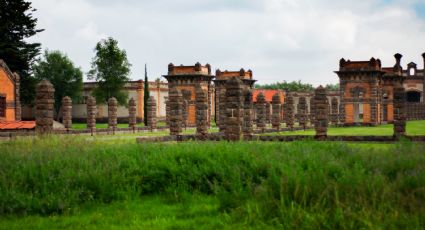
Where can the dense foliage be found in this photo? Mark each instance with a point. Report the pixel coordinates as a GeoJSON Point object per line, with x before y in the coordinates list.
{"type": "Point", "coordinates": [312, 185]}
{"type": "Point", "coordinates": [110, 68]}
{"type": "Point", "coordinates": [61, 72]}
{"type": "Point", "coordinates": [16, 25]}
{"type": "Point", "coordinates": [293, 86]}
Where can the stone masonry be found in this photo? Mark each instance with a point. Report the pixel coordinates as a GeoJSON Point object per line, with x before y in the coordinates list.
{"type": "Point", "coordinates": [268, 113]}
{"type": "Point", "coordinates": [67, 112]}
{"type": "Point", "coordinates": [222, 110]}
{"type": "Point", "coordinates": [234, 109]}
{"type": "Point", "coordinates": [399, 111]}
{"type": "Point", "coordinates": [151, 116]}
{"type": "Point", "coordinates": [276, 107]}
{"type": "Point", "coordinates": [248, 115]}
{"type": "Point", "coordinates": [44, 105]}
{"type": "Point", "coordinates": [175, 100]}
{"type": "Point", "coordinates": [185, 113]}
{"type": "Point", "coordinates": [261, 112]}
{"type": "Point", "coordinates": [132, 110]}
{"type": "Point", "coordinates": [321, 108]}
{"type": "Point", "coordinates": [201, 113]}
{"type": "Point", "coordinates": [289, 112]}
{"type": "Point", "coordinates": [91, 113]}
{"type": "Point", "coordinates": [334, 111]}
{"type": "Point", "coordinates": [302, 112]}
{"type": "Point", "coordinates": [112, 113]}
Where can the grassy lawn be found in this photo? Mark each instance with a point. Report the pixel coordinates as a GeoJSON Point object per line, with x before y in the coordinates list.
{"type": "Point", "coordinates": [65, 182]}
{"type": "Point", "coordinates": [105, 125]}
{"type": "Point", "coordinates": [412, 128]}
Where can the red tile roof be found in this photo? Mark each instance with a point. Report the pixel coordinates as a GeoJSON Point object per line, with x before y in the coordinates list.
{"type": "Point", "coordinates": [11, 125]}
{"type": "Point", "coordinates": [268, 94]}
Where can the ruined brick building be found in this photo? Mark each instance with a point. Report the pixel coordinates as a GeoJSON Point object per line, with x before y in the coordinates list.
{"type": "Point", "coordinates": [367, 90]}
{"type": "Point", "coordinates": [10, 106]}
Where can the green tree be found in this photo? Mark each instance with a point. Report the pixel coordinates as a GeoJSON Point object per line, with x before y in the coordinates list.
{"type": "Point", "coordinates": [293, 86]}
{"type": "Point", "coordinates": [334, 87]}
{"type": "Point", "coordinates": [146, 98]}
{"type": "Point", "coordinates": [16, 25]}
{"type": "Point", "coordinates": [110, 68]}
{"type": "Point", "coordinates": [60, 71]}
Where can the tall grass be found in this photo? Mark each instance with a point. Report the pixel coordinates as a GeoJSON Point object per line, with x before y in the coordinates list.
{"type": "Point", "coordinates": [302, 184]}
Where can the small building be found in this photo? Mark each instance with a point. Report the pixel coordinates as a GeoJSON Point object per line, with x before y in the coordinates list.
{"type": "Point", "coordinates": [366, 89]}
{"type": "Point", "coordinates": [10, 106]}
{"type": "Point", "coordinates": [185, 79]}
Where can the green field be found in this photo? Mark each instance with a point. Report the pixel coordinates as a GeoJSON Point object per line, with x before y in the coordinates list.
{"type": "Point", "coordinates": [73, 182]}
{"type": "Point", "coordinates": [412, 128]}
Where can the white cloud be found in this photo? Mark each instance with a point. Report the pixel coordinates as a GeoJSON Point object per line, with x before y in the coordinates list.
{"type": "Point", "coordinates": [278, 39]}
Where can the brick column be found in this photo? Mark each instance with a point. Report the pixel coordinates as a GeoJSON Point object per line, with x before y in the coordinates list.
{"type": "Point", "coordinates": [18, 108]}
{"type": "Point", "coordinates": [185, 113]}
{"type": "Point", "coordinates": [399, 112]}
{"type": "Point", "coordinates": [234, 109]}
{"type": "Point", "coordinates": [268, 113]}
{"type": "Point", "coordinates": [67, 112]}
{"type": "Point", "coordinates": [321, 107]}
{"type": "Point", "coordinates": [167, 111]}
{"type": "Point", "coordinates": [248, 115]}
{"type": "Point", "coordinates": [334, 111]}
{"type": "Point", "coordinates": [276, 107]}
{"type": "Point", "coordinates": [112, 114]}
{"type": "Point", "coordinates": [222, 109]}
{"type": "Point", "coordinates": [44, 106]}
{"type": "Point", "coordinates": [151, 116]}
{"type": "Point", "coordinates": [132, 119]}
{"type": "Point", "coordinates": [261, 112]}
{"type": "Point", "coordinates": [341, 116]}
{"type": "Point", "coordinates": [91, 113]}
{"type": "Point", "coordinates": [374, 104]}
{"type": "Point", "coordinates": [201, 108]}
{"type": "Point", "coordinates": [175, 100]}
{"type": "Point", "coordinates": [302, 112]}
{"type": "Point", "coordinates": [289, 112]}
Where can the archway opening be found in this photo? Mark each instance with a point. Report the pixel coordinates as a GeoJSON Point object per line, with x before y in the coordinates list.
{"type": "Point", "coordinates": [413, 96]}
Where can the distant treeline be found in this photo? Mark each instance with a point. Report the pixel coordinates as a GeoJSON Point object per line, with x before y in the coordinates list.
{"type": "Point", "coordinates": [294, 86]}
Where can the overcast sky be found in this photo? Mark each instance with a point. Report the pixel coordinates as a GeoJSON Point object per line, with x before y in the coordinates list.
{"type": "Point", "coordinates": [278, 39]}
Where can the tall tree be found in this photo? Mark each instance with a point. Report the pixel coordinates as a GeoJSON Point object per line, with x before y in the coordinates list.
{"type": "Point", "coordinates": [293, 86]}
{"type": "Point", "coordinates": [110, 68]}
{"type": "Point", "coordinates": [146, 98]}
{"type": "Point", "coordinates": [61, 72]}
{"type": "Point", "coordinates": [16, 25]}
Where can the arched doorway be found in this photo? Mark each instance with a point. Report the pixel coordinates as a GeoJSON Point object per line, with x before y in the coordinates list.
{"type": "Point", "coordinates": [413, 96]}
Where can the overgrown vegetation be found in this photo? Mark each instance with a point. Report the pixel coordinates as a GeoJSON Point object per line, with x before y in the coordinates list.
{"type": "Point", "coordinates": [291, 185]}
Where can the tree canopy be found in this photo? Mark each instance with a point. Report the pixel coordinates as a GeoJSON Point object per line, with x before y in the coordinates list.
{"type": "Point", "coordinates": [18, 24]}
{"type": "Point", "coordinates": [111, 69]}
{"type": "Point", "coordinates": [293, 86]}
{"type": "Point", "coordinates": [61, 72]}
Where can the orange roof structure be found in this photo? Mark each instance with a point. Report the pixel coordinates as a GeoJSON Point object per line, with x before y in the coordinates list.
{"type": "Point", "coordinates": [268, 94]}
{"type": "Point", "coordinates": [12, 125]}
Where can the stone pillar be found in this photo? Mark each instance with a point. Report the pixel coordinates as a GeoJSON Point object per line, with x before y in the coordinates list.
{"type": "Point", "coordinates": [334, 111]}
{"type": "Point", "coordinates": [268, 113]}
{"type": "Point", "coordinates": [112, 114]}
{"type": "Point", "coordinates": [91, 113]}
{"type": "Point", "coordinates": [261, 112]}
{"type": "Point", "coordinates": [234, 109]}
{"type": "Point", "coordinates": [276, 107]}
{"type": "Point", "coordinates": [132, 119]}
{"type": "Point", "coordinates": [18, 108]}
{"type": "Point", "coordinates": [302, 112]}
{"type": "Point", "coordinates": [201, 108]}
{"type": "Point", "coordinates": [185, 113]}
{"type": "Point", "coordinates": [167, 112]}
{"type": "Point", "coordinates": [175, 100]}
{"type": "Point", "coordinates": [151, 116]}
{"type": "Point", "coordinates": [44, 106]}
{"type": "Point", "coordinates": [374, 104]}
{"type": "Point", "coordinates": [399, 112]}
{"type": "Point", "coordinates": [321, 108]}
{"type": "Point", "coordinates": [289, 112]}
{"type": "Point", "coordinates": [67, 112]}
{"type": "Point", "coordinates": [342, 85]}
{"type": "Point", "coordinates": [312, 117]}
{"type": "Point", "coordinates": [222, 110]}
{"type": "Point", "coordinates": [248, 115]}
